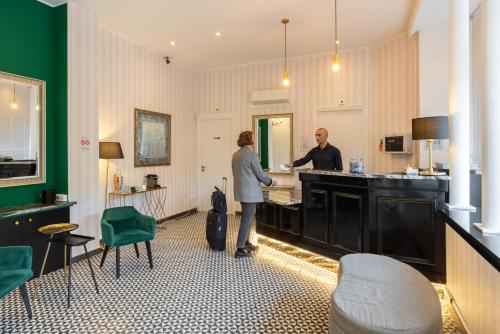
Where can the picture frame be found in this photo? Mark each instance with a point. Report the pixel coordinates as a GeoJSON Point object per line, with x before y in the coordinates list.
{"type": "Point", "coordinates": [152, 138]}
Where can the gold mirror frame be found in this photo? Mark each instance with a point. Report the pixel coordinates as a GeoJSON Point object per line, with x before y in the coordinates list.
{"type": "Point", "coordinates": [41, 177]}
{"type": "Point", "coordinates": [257, 117]}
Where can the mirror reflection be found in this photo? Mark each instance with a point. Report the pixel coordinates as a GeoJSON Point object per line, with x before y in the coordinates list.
{"type": "Point", "coordinates": [21, 130]}
{"type": "Point", "coordinates": [273, 141]}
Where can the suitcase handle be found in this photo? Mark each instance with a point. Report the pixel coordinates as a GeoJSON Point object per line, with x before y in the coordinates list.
{"type": "Point", "coordinates": [224, 183]}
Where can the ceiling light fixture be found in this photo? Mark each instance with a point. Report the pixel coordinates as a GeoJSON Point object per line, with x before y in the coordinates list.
{"type": "Point", "coordinates": [172, 43]}
{"type": "Point", "coordinates": [14, 102]}
{"type": "Point", "coordinates": [217, 34]}
{"type": "Point", "coordinates": [285, 81]}
{"type": "Point", "coordinates": [336, 65]}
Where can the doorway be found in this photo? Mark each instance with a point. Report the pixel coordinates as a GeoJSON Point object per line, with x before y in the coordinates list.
{"type": "Point", "coordinates": [345, 131]}
{"type": "Point", "coordinates": [214, 158]}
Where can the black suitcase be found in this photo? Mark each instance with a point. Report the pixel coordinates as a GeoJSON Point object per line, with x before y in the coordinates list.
{"type": "Point", "coordinates": [217, 221]}
{"type": "Point", "coordinates": [216, 230]}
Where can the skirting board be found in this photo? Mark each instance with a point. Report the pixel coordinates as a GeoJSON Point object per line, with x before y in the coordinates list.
{"type": "Point", "coordinates": [178, 215]}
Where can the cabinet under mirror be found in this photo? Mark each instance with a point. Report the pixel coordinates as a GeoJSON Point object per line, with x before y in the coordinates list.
{"type": "Point", "coordinates": [273, 136]}
{"type": "Point", "coordinates": [22, 130]}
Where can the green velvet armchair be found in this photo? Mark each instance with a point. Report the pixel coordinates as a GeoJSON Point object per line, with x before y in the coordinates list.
{"type": "Point", "coordinates": [124, 226]}
{"type": "Point", "coordinates": [15, 270]}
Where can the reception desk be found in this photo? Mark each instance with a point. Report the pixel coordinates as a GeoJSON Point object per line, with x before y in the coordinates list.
{"type": "Point", "coordinates": [389, 214]}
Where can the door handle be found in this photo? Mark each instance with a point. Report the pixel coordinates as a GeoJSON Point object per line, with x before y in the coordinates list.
{"type": "Point", "coordinates": [203, 168]}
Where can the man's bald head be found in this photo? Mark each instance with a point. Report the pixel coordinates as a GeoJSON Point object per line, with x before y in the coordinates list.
{"type": "Point", "coordinates": [321, 135]}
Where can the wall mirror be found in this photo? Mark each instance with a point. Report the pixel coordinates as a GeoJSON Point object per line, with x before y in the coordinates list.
{"type": "Point", "coordinates": [274, 141]}
{"type": "Point", "coordinates": [22, 130]}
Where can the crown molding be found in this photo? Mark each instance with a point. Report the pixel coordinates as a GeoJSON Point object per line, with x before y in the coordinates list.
{"type": "Point", "coordinates": [53, 3]}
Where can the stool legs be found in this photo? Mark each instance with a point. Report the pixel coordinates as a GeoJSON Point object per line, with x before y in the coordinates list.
{"type": "Point", "coordinates": [43, 265]}
{"type": "Point", "coordinates": [117, 262]}
{"type": "Point", "coordinates": [65, 261]}
{"type": "Point", "coordinates": [150, 258]}
{"type": "Point", "coordinates": [91, 270]}
{"type": "Point", "coordinates": [26, 299]}
{"type": "Point", "coordinates": [136, 250]}
{"type": "Point", "coordinates": [69, 274]}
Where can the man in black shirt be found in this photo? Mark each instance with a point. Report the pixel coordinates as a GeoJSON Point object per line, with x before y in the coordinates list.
{"type": "Point", "coordinates": [324, 156]}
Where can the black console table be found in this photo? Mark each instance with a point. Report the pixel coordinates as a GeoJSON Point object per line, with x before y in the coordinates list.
{"type": "Point", "coordinates": [389, 214]}
{"type": "Point", "coordinates": [19, 226]}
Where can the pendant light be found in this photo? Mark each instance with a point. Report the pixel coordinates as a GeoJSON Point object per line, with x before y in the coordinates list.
{"type": "Point", "coordinates": [14, 102]}
{"type": "Point", "coordinates": [285, 81]}
{"type": "Point", "coordinates": [336, 65]}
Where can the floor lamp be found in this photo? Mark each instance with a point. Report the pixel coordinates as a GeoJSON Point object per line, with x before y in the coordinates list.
{"type": "Point", "coordinates": [109, 150]}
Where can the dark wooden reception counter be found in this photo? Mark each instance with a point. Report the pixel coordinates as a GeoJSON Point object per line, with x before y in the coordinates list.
{"type": "Point", "coordinates": [341, 213]}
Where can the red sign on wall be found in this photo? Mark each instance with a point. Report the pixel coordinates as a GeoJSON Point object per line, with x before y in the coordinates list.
{"type": "Point", "coordinates": [85, 143]}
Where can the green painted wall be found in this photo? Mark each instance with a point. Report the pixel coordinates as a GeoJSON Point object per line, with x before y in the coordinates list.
{"type": "Point", "coordinates": [34, 44]}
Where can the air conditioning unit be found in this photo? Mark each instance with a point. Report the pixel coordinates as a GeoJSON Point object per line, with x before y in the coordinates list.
{"type": "Point", "coordinates": [270, 96]}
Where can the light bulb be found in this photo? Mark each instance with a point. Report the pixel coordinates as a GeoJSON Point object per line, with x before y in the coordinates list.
{"type": "Point", "coordinates": [335, 66]}
{"type": "Point", "coordinates": [14, 104]}
{"type": "Point", "coordinates": [37, 107]}
{"type": "Point", "coordinates": [285, 81]}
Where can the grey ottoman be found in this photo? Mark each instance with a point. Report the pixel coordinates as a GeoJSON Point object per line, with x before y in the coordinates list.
{"type": "Point", "coordinates": [377, 294]}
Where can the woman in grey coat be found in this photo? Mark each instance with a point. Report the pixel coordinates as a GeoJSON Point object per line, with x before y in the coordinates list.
{"type": "Point", "coordinates": [247, 176]}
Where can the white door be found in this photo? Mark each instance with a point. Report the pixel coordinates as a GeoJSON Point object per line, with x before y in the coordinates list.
{"type": "Point", "coordinates": [345, 131]}
{"type": "Point", "coordinates": [215, 159]}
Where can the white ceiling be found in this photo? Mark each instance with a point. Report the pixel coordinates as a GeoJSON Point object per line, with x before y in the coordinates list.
{"type": "Point", "coordinates": [251, 29]}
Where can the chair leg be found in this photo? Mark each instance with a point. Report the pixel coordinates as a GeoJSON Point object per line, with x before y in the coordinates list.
{"type": "Point", "coordinates": [106, 249]}
{"type": "Point", "coordinates": [136, 250]}
{"type": "Point", "coordinates": [70, 260]}
{"type": "Point", "coordinates": [117, 262]}
{"type": "Point", "coordinates": [90, 266]}
{"type": "Point", "coordinates": [148, 248]}
{"type": "Point", "coordinates": [26, 299]}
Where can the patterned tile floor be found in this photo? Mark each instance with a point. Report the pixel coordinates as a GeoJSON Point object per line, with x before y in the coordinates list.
{"type": "Point", "coordinates": [190, 290]}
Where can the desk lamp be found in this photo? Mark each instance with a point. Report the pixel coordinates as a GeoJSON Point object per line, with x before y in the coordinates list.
{"type": "Point", "coordinates": [430, 128]}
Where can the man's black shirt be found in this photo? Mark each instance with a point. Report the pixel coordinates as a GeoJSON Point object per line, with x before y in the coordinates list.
{"type": "Point", "coordinates": [328, 158]}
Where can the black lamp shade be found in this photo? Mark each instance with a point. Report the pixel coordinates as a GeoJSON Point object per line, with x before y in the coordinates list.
{"type": "Point", "coordinates": [430, 128]}
{"type": "Point", "coordinates": [110, 150]}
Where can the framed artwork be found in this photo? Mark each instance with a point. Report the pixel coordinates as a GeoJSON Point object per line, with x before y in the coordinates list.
{"type": "Point", "coordinates": [152, 143]}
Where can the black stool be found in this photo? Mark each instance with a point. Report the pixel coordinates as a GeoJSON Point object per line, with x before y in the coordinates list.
{"type": "Point", "coordinates": [71, 241]}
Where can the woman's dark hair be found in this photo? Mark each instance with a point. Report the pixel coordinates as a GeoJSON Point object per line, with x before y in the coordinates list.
{"type": "Point", "coordinates": [245, 138]}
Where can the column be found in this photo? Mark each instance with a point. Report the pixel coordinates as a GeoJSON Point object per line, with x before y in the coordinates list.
{"type": "Point", "coordinates": [490, 117]}
{"type": "Point", "coordinates": [459, 104]}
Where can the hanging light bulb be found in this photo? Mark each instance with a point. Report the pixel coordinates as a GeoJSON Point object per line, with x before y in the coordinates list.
{"type": "Point", "coordinates": [285, 81]}
{"type": "Point", "coordinates": [14, 102]}
{"type": "Point", "coordinates": [336, 65]}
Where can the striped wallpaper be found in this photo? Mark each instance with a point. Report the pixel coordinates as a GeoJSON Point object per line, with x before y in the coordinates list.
{"type": "Point", "coordinates": [381, 79]}
{"type": "Point", "coordinates": [134, 77]}
{"type": "Point", "coordinates": [83, 121]}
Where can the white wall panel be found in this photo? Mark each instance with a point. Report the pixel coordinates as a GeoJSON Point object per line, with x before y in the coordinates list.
{"type": "Point", "coordinates": [83, 121]}
{"type": "Point", "coordinates": [473, 283]}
